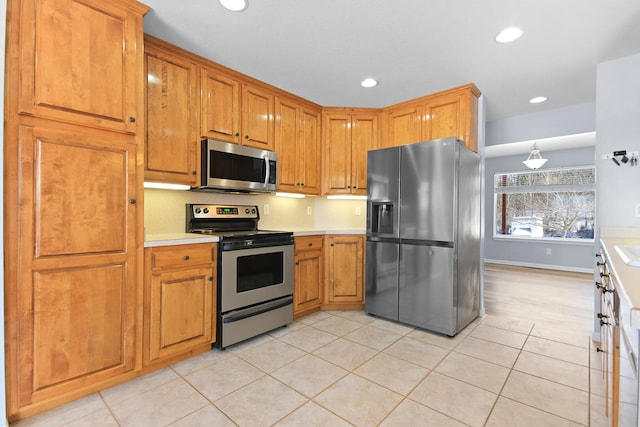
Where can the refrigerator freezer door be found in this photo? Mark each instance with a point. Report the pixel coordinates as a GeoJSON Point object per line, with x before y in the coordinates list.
{"type": "Point", "coordinates": [426, 288]}
{"type": "Point", "coordinates": [427, 194]}
{"type": "Point", "coordinates": [383, 190]}
{"type": "Point", "coordinates": [381, 292]}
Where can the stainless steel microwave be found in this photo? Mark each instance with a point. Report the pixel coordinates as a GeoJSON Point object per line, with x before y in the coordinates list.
{"type": "Point", "coordinates": [236, 168]}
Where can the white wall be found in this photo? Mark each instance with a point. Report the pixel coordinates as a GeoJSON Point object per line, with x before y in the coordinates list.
{"type": "Point", "coordinates": [571, 120]}
{"type": "Point", "coordinates": [618, 128]}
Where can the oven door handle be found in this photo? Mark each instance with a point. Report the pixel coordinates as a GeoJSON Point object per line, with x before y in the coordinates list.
{"type": "Point", "coordinates": [236, 315]}
{"type": "Point", "coordinates": [267, 165]}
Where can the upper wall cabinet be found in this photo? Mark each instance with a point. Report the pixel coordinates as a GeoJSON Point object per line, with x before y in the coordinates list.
{"type": "Point", "coordinates": [297, 142]}
{"type": "Point", "coordinates": [235, 111]}
{"type": "Point", "coordinates": [79, 64]}
{"type": "Point", "coordinates": [453, 112]}
{"type": "Point", "coordinates": [172, 121]}
{"type": "Point", "coordinates": [348, 134]}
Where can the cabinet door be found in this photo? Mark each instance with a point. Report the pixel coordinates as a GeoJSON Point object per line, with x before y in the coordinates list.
{"type": "Point", "coordinates": [180, 311]}
{"type": "Point", "coordinates": [310, 152]}
{"type": "Point", "coordinates": [80, 62]}
{"type": "Point", "coordinates": [172, 118]}
{"type": "Point", "coordinates": [308, 280]}
{"type": "Point", "coordinates": [220, 104]}
{"type": "Point", "coordinates": [404, 126]}
{"type": "Point", "coordinates": [336, 130]}
{"type": "Point", "coordinates": [76, 284]}
{"type": "Point", "coordinates": [257, 118]}
{"type": "Point", "coordinates": [364, 137]}
{"type": "Point", "coordinates": [345, 269]}
{"type": "Point", "coordinates": [442, 117]}
{"type": "Point", "coordinates": [286, 143]}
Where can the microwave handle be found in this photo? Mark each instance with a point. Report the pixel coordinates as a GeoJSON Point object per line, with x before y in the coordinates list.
{"type": "Point", "coordinates": [268, 168]}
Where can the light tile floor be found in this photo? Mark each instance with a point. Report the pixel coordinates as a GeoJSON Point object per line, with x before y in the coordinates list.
{"type": "Point", "coordinates": [341, 368]}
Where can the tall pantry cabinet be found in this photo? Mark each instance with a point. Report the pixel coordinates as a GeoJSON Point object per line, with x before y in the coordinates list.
{"type": "Point", "coordinates": [74, 117]}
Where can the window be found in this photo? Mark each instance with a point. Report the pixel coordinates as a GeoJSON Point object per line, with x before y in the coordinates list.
{"type": "Point", "coordinates": [554, 204]}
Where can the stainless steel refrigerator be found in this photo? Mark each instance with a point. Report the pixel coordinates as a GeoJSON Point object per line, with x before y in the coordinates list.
{"type": "Point", "coordinates": [423, 235]}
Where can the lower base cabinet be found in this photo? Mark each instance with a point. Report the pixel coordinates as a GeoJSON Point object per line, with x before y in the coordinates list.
{"type": "Point", "coordinates": [180, 302]}
{"type": "Point", "coordinates": [344, 288]}
{"type": "Point", "coordinates": [308, 275]}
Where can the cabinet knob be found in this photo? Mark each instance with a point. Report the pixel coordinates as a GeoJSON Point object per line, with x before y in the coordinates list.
{"type": "Point", "coordinates": [210, 278]}
{"type": "Point", "coordinates": [133, 201]}
{"type": "Point", "coordinates": [309, 244]}
{"type": "Point", "coordinates": [186, 257]}
{"type": "Point", "coordinates": [331, 245]}
{"type": "Point", "coordinates": [237, 134]}
{"type": "Point", "coordinates": [132, 119]}
{"type": "Point", "coordinates": [302, 184]}
{"type": "Point", "coordinates": [246, 137]}
{"type": "Point", "coordinates": [194, 172]}
{"type": "Point", "coordinates": [297, 262]}
{"type": "Point", "coordinates": [599, 350]}
{"type": "Point", "coordinates": [603, 323]}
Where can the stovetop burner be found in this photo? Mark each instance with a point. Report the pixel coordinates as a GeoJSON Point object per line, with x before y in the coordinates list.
{"type": "Point", "coordinates": [229, 222]}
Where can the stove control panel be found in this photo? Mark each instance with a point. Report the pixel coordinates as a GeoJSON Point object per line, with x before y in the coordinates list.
{"type": "Point", "coordinates": [224, 211]}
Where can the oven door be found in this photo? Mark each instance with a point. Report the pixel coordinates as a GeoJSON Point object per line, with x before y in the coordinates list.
{"type": "Point", "coordinates": [255, 275]}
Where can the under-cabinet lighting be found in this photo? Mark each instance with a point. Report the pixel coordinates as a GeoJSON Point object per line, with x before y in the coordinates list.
{"type": "Point", "coordinates": [166, 186]}
{"type": "Point", "coordinates": [346, 197]}
{"type": "Point", "coordinates": [368, 82]}
{"type": "Point", "coordinates": [290, 195]}
{"type": "Point", "coordinates": [537, 100]}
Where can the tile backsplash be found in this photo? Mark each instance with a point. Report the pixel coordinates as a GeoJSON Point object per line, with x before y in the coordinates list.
{"type": "Point", "coordinates": [164, 211]}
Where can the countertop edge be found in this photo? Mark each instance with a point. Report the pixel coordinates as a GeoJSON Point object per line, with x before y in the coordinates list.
{"type": "Point", "coordinates": [627, 277]}
{"type": "Point", "coordinates": [168, 239]}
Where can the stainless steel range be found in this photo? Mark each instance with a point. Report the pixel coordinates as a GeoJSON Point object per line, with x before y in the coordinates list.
{"type": "Point", "coordinates": [255, 271]}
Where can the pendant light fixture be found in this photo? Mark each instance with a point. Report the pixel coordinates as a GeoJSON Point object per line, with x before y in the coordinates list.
{"type": "Point", "coordinates": [535, 160]}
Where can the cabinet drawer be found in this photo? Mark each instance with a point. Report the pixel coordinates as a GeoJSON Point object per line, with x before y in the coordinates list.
{"type": "Point", "coordinates": [308, 243]}
{"type": "Point", "coordinates": [181, 255]}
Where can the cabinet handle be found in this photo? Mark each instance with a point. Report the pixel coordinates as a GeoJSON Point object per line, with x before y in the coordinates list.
{"type": "Point", "coordinates": [603, 323]}
{"type": "Point", "coordinates": [599, 350]}
{"type": "Point", "coordinates": [604, 275]}
{"type": "Point", "coordinates": [186, 257]}
{"type": "Point", "coordinates": [598, 255]}
{"type": "Point", "coordinates": [601, 263]}
{"type": "Point", "coordinates": [132, 119]}
{"type": "Point", "coordinates": [600, 316]}
{"type": "Point", "coordinates": [599, 285]}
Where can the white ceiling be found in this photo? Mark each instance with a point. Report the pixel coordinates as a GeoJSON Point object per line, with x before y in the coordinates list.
{"type": "Point", "coordinates": [322, 49]}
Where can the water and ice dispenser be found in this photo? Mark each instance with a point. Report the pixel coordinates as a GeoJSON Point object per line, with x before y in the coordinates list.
{"type": "Point", "coordinates": [382, 217]}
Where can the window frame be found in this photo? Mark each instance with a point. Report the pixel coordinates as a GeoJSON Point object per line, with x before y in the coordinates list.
{"type": "Point", "coordinates": [551, 188]}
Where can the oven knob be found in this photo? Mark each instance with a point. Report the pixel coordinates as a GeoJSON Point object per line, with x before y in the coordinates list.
{"type": "Point", "coordinates": [253, 210]}
{"type": "Point", "coordinates": [197, 210]}
{"type": "Point", "coordinates": [247, 211]}
{"type": "Point", "coordinates": [205, 210]}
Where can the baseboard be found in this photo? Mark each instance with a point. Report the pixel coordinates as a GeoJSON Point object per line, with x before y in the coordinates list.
{"type": "Point", "coordinates": [545, 266]}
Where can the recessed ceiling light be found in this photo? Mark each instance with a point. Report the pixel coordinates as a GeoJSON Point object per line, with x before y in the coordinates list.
{"type": "Point", "coordinates": [235, 5]}
{"type": "Point", "coordinates": [509, 34]}
{"type": "Point", "coordinates": [369, 82]}
{"type": "Point", "coordinates": [537, 100]}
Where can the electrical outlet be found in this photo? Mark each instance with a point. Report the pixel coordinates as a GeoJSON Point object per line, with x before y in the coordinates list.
{"type": "Point", "coordinates": [358, 210]}
{"type": "Point", "coordinates": [548, 251]}
{"type": "Point", "coordinates": [265, 209]}
{"type": "Point", "coordinates": [309, 210]}
{"type": "Point", "coordinates": [637, 210]}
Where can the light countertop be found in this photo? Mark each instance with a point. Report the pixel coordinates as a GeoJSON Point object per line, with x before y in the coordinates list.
{"type": "Point", "coordinates": [627, 277]}
{"type": "Point", "coordinates": [167, 239]}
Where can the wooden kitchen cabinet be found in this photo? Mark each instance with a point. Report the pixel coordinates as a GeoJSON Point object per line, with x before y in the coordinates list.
{"type": "Point", "coordinates": [236, 111]}
{"type": "Point", "coordinates": [453, 112]}
{"type": "Point", "coordinates": [180, 294]}
{"type": "Point", "coordinates": [344, 272]}
{"type": "Point", "coordinates": [348, 134]}
{"type": "Point", "coordinates": [74, 112]}
{"type": "Point", "coordinates": [308, 275]}
{"type": "Point", "coordinates": [297, 142]}
{"type": "Point", "coordinates": [172, 105]}
{"type": "Point", "coordinates": [79, 62]}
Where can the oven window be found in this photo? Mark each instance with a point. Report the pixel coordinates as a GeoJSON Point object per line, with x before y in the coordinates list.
{"type": "Point", "coordinates": [259, 271]}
